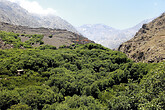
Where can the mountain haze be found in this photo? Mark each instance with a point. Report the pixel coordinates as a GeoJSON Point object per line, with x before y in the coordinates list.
{"type": "Point", "coordinates": [109, 36]}
{"type": "Point", "coordinates": [14, 14]}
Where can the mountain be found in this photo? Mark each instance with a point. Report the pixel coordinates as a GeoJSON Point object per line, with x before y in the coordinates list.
{"type": "Point", "coordinates": [108, 36]}
{"type": "Point", "coordinates": [54, 37]}
{"type": "Point", "coordinates": [96, 32]}
{"type": "Point", "coordinates": [148, 45]}
{"type": "Point", "coordinates": [14, 14]}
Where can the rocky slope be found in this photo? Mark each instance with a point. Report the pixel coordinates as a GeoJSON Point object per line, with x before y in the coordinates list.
{"type": "Point", "coordinates": [108, 36]}
{"type": "Point", "coordinates": [58, 37]}
{"type": "Point", "coordinates": [3, 45]}
{"type": "Point", "coordinates": [148, 45]}
{"type": "Point", "coordinates": [14, 14]}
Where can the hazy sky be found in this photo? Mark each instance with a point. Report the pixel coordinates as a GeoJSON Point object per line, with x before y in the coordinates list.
{"type": "Point", "coordinates": [119, 14]}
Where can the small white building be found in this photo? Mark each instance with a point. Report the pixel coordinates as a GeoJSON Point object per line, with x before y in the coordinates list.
{"type": "Point", "coordinates": [19, 72]}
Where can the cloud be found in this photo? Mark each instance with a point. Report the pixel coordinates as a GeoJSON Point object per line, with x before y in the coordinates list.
{"type": "Point", "coordinates": [34, 7]}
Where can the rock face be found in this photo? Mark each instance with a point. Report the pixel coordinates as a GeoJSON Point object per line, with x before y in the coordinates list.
{"type": "Point", "coordinates": [58, 37]}
{"type": "Point", "coordinates": [12, 13]}
{"type": "Point", "coordinates": [148, 45]}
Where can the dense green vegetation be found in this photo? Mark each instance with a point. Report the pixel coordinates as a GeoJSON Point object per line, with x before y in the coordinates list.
{"type": "Point", "coordinates": [81, 77]}
{"type": "Point", "coordinates": [15, 39]}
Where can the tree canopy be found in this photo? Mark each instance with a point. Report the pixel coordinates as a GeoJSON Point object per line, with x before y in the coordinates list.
{"type": "Point", "coordinates": [78, 77]}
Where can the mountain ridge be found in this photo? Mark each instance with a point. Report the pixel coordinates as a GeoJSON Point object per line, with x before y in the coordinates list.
{"type": "Point", "coordinates": [14, 14]}
{"type": "Point", "coordinates": [109, 36]}
{"type": "Point", "coordinates": [54, 37]}
{"type": "Point", "coordinates": [148, 45]}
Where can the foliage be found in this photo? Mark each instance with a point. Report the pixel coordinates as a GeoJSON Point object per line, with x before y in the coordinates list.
{"type": "Point", "coordinates": [83, 77]}
{"type": "Point", "coordinates": [20, 107]}
{"type": "Point", "coordinates": [15, 39]}
{"type": "Point", "coordinates": [78, 103]}
{"type": "Point", "coordinates": [43, 47]}
{"type": "Point", "coordinates": [50, 36]}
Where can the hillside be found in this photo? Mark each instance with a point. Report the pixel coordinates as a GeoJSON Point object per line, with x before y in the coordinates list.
{"type": "Point", "coordinates": [12, 13]}
{"type": "Point", "coordinates": [89, 77]}
{"type": "Point", "coordinates": [108, 36]}
{"type": "Point", "coordinates": [148, 45]}
{"type": "Point", "coordinates": [54, 37]}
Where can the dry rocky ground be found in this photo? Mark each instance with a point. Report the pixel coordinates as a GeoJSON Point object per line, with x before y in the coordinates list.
{"type": "Point", "coordinates": [148, 45]}
{"type": "Point", "coordinates": [58, 37]}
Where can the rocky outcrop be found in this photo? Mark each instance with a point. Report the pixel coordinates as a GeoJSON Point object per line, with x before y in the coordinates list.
{"type": "Point", "coordinates": [148, 45]}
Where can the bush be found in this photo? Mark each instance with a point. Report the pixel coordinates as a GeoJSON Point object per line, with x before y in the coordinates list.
{"type": "Point", "coordinates": [20, 107]}
{"type": "Point", "coordinates": [50, 36]}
